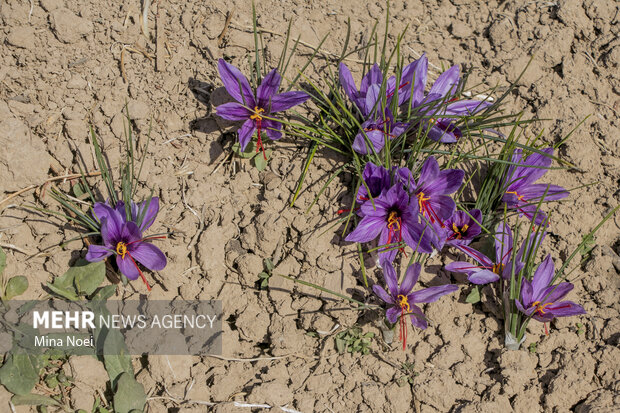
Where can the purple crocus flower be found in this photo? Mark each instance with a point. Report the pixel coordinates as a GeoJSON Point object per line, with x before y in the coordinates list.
{"type": "Point", "coordinates": [441, 126]}
{"type": "Point", "coordinates": [393, 218]}
{"type": "Point", "coordinates": [401, 301]}
{"type": "Point", "coordinates": [377, 130]}
{"type": "Point", "coordinates": [522, 193]}
{"type": "Point", "coordinates": [377, 179]}
{"type": "Point", "coordinates": [433, 188]}
{"type": "Point", "coordinates": [367, 96]}
{"type": "Point", "coordinates": [459, 229]}
{"type": "Point", "coordinates": [488, 270]}
{"type": "Point", "coordinates": [123, 238]}
{"type": "Point", "coordinates": [253, 109]}
{"type": "Point", "coordinates": [541, 300]}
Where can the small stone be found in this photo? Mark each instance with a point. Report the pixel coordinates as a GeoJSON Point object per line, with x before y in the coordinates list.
{"type": "Point", "coordinates": [138, 109]}
{"type": "Point", "coordinates": [22, 36]}
{"type": "Point", "coordinates": [76, 82]}
{"type": "Point", "coordinates": [69, 27]}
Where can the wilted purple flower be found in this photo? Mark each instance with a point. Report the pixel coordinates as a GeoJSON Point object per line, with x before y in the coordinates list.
{"type": "Point", "coordinates": [123, 238]}
{"type": "Point", "coordinates": [377, 130]}
{"type": "Point", "coordinates": [401, 300]}
{"type": "Point", "coordinates": [441, 126]}
{"type": "Point", "coordinates": [252, 109]}
{"type": "Point", "coordinates": [488, 270]}
{"type": "Point", "coordinates": [541, 300]}
{"type": "Point", "coordinates": [394, 218]}
{"type": "Point", "coordinates": [377, 179]}
{"type": "Point", "coordinates": [521, 193]}
{"type": "Point", "coordinates": [433, 188]}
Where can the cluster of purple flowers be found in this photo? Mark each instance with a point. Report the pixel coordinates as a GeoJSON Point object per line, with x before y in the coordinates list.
{"type": "Point", "coordinates": [438, 109]}
{"type": "Point", "coordinates": [419, 213]}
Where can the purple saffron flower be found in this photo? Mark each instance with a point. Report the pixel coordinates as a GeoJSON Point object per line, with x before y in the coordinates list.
{"type": "Point", "coordinates": [441, 125]}
{"type": "Point", "coordinates": [401, 301]}
{"type": "Point", "coordinates": [393, 218]}
{"type": "Point", "coordinates": [433, 188]}
{"type": "Point", "coordinates": [124, 239]}
{"type": "Point", "coordinates": [462, 228]}
{"type": "Point", "coordinates": [377, 179]}
{"type": "Point", "coordinates": [541, 300]}
{"type": "Point", "coordinates": [377, 130]}
{"type": "Point", "coordinates": [521, 193]}
{"type": "Point", "coordinates": [253, 109]}
{"type": "Point", "coordinates": [488, 270]}
{"type": "Point", "coordinates": [367, 96]}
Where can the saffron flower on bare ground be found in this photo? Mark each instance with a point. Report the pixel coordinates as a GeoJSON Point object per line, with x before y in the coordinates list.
{"type": "Point", "coordinates": [254, 109]}
{"type": "Point", "coordinates": [541, 300]}
{"type": "Point", "coordinates": [401, 299]}
{"type": "Point", "coordinates": [123, 238]}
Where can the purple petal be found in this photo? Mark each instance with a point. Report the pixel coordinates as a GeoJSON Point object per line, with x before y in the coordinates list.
{"type": "Point", "coordinates": [411, 278]}
{"type": "Point", "coordinates": [373, 77]}
{"type": "Point", "coordinates": [476, 255]}
{"type": "Point", "coordinates": [367, 229]}
{"type": "Point", "coordinates": [461, 267]}
{"type": "Point", "coordinates": [446, 82]}
{"type": "Point", "coordinates": [268, 87]}
{"type": "Point", "coordinates": [443, 206]}
{"type": "Point", "coordinates": [347, 82]}
{"type": "Point", "coordinates": [418, 319]}
{"type": "Point", "coordinates": [420, 74]}
{"type": "Point", "coordinates": [565, 309]}
{"type": "Point", "coordinates": [429, 172]}
{"type": "Point", "coordinates": [110, 219]}
{"type": "Point", "coordinates": [447, 182]}
{"type": "Point", "coordinates": [287, 100]}
{"type": "Point", "coordinates": [245, 133]}
{"type": "Point", "coordinates": [526, 292]}
{"type": "Point", "coordinates": [444, 131]}
{"type": "Point", "coordinates": [376, 137]}
{"type": "Point", "coordinates": [542, 277]}
{"type": "Point", "coordinates": [554, 293]}
{"type": "Point", "coordinates": [152, 209]}
{"type": "Point", "coordinates": [385, 297]}
{"type": "Point", "coordinates": [428, 295]}
{"type": "Point", "coordinates": [130, 233]}
{"type": "Point", "coordinates": [482, 277]}
{"type": "Point", "coordinates": [390, 277]}
{"type": "Point", "coordinates": [372, 99]}
{"type": "Point", "coordinates": [128, 267]}
{"type": "Point", "coordinates": [466, 107]}
{"type": "Point", "coordinates": [233, 111]}
{"type": "Point", "coordinates": [534, 193]}
{"type": "Point", "coordinates": [236, 84]}
{"type": "Point", "coordinates": [418, 237]}
{"type": "Point", "coordinates": [272, 128]}
{"type": "Point", "coordinates": [149, 255]}
{"type": "Point", "coordinates": [503, 243]}
{"type": "Point", "coordinates": [392, 314]}
{"type": "Point", "coordinates": [97, 253]}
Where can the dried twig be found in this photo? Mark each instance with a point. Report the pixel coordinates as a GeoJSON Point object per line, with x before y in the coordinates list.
{"type": "Point", "coordinates": [220, 38]}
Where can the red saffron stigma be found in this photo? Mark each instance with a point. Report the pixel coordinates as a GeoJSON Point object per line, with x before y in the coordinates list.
{"type": "Point", "coordinates": [148, 287]}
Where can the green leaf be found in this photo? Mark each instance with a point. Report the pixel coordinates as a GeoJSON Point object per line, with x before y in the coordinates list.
{"type": "Point", "coordinates": [116, 359]}
{"type": "Point", "coordinates": [16, 286]}
{"type": "Point", "coordinates": [268, 264]}
{"type": "Point", "coordinates": [51, 381]}
{"type": "Point", "coordinates": [104, 293]}
{"type": "Point", "coordinates": [33, 400]}
{"type": "Point", "coordinates": [89, 277]}
{"type": "Point", "coordinates": [129, 395]}
{"type": "Point", "coordinates": [260, 162]}
{"type": "Point", "coordinates": [20, 373]}
{"type": "Point", "coordinates": [340, 345]}
{"type": "Point", "coordinates": [474, 296]}
{"type": "Point", "coordinates": [2, 260]}
{"type": "Point", "coordinates": [63, 292]}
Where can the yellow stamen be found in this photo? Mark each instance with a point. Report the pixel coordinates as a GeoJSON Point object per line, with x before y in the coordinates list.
{"type": "Point", "coordinates": [459, 232]}
{"type": "Point", "coordinates": [519, 197]}
{"type": "Point", "coordinates": [540, 308]}
{"type": "Point", "coordinates": [498, 268]}
{"type": "Point", "coordinates": [403, 303]}
{"type": "Point", "coordinates": [422, 199]}
{"type": "Point", "coordinates": [121, 249]}
{"type": "Point", "coordinates": [256, 115]}
{"type": "Point", "coordinates": [393, 220]}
